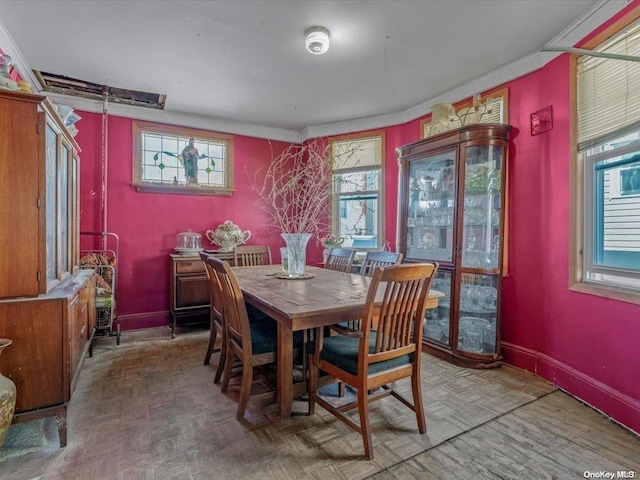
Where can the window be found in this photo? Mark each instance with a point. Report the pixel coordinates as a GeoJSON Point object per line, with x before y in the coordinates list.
{"type": "Point", "coordinates": [494, 110]}
{"type": "Point", "coordinates": [357, 186]}
{"type": "Point", "coordinates": [181, 160]}
{"type": "Point", "coordinates": [608, 232]}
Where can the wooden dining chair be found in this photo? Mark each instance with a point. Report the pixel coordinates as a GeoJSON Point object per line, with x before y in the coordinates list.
{"type": "Point", "coordinates": [340, 259]}
{"type": "Point", "coordinates": [251, 342]}
{"type": "Point", "coordinates": [216, 319]}
{"type": "Point", "coordinates": [373, 356]}
{"type": "Point", "coordinates": [251, 255]}
{"type": "Point", "coordinates": [371, 261]}
{"type": "Point", "coordinates": [378, 259]}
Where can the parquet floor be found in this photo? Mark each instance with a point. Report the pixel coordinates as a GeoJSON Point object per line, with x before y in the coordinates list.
{"type": "Point", "coordinates": [148, 409]}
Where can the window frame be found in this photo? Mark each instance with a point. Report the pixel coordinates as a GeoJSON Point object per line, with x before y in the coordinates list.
{"type": "Point", "coordinates": [594, 225]}
{"type": "Point", "coordinates": [580, 213]}
{"type": "Point", "coordinates": [141, 127]}
{"type": "Point", "coordinates": [336, 213]}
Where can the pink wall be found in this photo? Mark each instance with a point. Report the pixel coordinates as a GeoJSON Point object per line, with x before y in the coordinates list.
{"type": "Point", "coordinates": [147, 223]}
{"type": "Point", "coordinates": [584, 344]}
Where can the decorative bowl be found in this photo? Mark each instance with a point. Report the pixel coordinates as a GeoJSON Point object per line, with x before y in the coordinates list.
{"type": "Point", "coordinates": [227, 236]}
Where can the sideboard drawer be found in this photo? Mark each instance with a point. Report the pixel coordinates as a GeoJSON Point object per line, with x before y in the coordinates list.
{"type": "Point", "coordinates": [190, 266]}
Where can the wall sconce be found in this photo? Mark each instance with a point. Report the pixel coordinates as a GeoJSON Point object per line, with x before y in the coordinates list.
{"type": "Point", "coordinates": [542, 120]}
{"type": "Point", "coordinates": [317, 40]}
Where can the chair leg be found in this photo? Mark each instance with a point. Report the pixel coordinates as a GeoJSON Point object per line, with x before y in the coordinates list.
{"type": "Point", "coordinates": [228, 365]}
{"type": "Point", "coordinates": [416, 388]}
{"type": "Point", "coordinates": [312, 386]}
{"type": "Point", "coordinates": [222, 361]}
{"type": "Point", "coordinates": [341, 389]}
{"type": "Point", "coordinates": [363, 410]}
{"type": "Point", "coordinates": [212, 342]}
{"type": "Point", "coordinates": [245, 388]}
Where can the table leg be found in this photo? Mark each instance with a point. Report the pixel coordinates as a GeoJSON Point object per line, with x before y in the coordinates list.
{"type": "Point", "coordinates": [285, 371]}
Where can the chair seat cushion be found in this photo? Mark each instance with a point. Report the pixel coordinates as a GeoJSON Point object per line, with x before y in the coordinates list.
{"type": "Point", "coordinates": [264, 335]}
{"type": "Point", "coordinates": [342, 352]}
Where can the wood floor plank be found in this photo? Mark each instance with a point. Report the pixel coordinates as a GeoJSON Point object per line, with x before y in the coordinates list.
{"type": "Point", "coordinates": [149, 409]}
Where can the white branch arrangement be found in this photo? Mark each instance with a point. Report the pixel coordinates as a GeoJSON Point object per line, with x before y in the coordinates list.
{"type": "Point", "coordinates": [296, 189]}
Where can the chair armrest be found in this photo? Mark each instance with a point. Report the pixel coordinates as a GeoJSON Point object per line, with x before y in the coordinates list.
{"type": "Point", "coordinates": [347, 332]}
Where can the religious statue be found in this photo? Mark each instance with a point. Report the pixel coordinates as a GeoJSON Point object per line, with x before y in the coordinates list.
{"type": "Point", "coordinates": [190, 158]}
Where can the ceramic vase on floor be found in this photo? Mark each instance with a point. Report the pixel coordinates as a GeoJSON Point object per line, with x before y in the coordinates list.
{"type": "Point", "coordinates": [296, 252]}
{"type": "Point", "coordinates": [7, 398]}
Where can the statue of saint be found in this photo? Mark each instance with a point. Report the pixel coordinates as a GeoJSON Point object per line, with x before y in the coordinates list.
{"type": "Point", "coordinates": [190, 158]}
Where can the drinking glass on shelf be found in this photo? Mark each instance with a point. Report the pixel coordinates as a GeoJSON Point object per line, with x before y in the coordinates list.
{"type": "Point", "coordinates": [472, 339]}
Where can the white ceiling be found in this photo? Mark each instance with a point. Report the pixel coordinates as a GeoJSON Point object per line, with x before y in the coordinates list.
{"type": "Point", "coordinates": [242, 66]}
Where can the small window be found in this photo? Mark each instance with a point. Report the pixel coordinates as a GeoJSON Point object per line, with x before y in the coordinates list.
{"type": "Point", "coordinates": [181, 160]}
{"type": "Point", "coordinates": [357, 187]}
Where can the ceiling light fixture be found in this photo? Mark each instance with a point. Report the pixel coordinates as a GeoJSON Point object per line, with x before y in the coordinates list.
{"type": "Point", "coordinates": [317, 40]}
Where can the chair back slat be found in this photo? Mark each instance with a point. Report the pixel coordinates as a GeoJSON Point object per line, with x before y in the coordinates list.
{"type": "Point", "coordinates": [251, 255]}
{"type": "Point", "coordinates": [378, 259]}
{"type": "Point", "coordinates": [340, 259]}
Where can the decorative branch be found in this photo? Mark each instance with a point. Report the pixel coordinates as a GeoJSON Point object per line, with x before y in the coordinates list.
{"type": "Point", "coordinates": [296, 189]}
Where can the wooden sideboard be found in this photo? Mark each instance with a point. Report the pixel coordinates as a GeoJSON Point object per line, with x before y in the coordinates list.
{"type": "Point", "coordinates": [51, 336]}
{"type": "Point", "coordinates": [189, 288]}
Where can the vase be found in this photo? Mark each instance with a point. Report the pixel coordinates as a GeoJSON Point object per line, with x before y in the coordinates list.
{"type": "Point", "coordinates": [325, 254]}
{"type": "Point", "coordinates": [7, 398]}
{"type": "Point", "coordinates": [296, 252]}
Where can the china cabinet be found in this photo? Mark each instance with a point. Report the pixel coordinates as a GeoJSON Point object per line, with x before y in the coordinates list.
{"type": "Point", "coordinates": [451, 210]}
{"type": "Point", "coordinates": [39, 191]}
{"type": "Point", "coordinates": [47, 305]}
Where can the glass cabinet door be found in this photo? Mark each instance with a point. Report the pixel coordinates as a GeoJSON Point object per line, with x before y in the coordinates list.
{"type": "Point", "coordinates": [477, 313]}
{"type": "Point", "coordinates": [481, 219]}
{"type": "Point", "coordinates": [51, 198]}
{"type": "Point", "coordinates": [65, 205]}
{"type": "Point", "coordinates": [431, 207]}
{"type": "Point", "coordinates": [438, 320]}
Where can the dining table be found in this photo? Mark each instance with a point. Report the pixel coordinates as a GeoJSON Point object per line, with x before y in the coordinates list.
{"type": "Point", "coordinates": [320, 298]}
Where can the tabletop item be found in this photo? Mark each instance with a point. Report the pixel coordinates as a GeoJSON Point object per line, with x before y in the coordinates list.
{"type": "Point", "coordinates": [227, 236]}
{"type": "Point", "coordinates": [188, 242]}
{"type": "Point", "coordinates": [296, 252]}
{"type": "Point", "coordinates": [285, 276]}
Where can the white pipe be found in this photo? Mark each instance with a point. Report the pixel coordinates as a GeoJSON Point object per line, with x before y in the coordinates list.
{"type": "Point", "coordinates": [105, 136]}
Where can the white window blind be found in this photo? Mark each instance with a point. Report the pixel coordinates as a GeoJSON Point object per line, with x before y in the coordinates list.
{"type": "Point", "coordinates": [608, 90]}
{"type": "Point", "coordinates": [358, 152]}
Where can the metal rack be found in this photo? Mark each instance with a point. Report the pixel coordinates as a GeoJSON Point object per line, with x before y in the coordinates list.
{"type": "Point", "coordinates": [99, 251]}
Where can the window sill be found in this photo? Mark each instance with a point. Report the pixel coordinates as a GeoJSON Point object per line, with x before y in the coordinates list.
{"type": "Point", "coordinates": [612, 293]}
{"type": "Point", "coordinates": [184, 189]}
